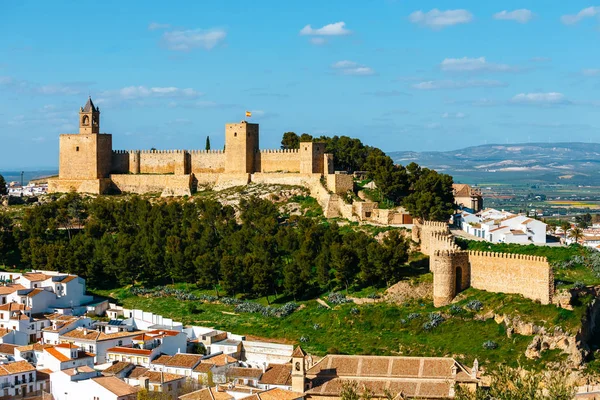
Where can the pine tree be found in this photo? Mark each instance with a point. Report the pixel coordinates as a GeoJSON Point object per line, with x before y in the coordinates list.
{"type": "Point", "coordinates": [207, 143]}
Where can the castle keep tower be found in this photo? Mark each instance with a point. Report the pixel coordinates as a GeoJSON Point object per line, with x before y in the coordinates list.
{"type": "Point", "coordinates": [241, 146]}
{"type": "Point", "coordinates": [89, 118]}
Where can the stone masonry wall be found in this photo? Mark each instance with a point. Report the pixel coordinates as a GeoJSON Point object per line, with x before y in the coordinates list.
{"type": "Point", "coordinates": [277, 161]}
{"type": "Point", "coordinates": [340, 183]}
{"type": "Point", "coordinates": [202, 161]}
{"type": "Point", "coordinates": [151, 183]}
{"type": "Point", "coordinates": [529, 276]}
{"type": "Point", "coordinates": [455, 270]}
{"type": "Point", "coordinates": [162, 162]}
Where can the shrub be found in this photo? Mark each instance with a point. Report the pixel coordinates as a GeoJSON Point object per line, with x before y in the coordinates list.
{"type": "Point", "coordinates": [579, 285]}
{"type": "Point", "coordinates": [304, 339]}
{"type": "Point", "coordinates": [490, 345]}
{"type": "Point", "coordinates": [413, 315]}
{"type": "Point", "coordinates": [455, 309]}
{"type": "Point", "coordinates": [474, 305]}
{"type": "Point", "coordinates": [354, 311]}
{"type": "Point", "coordinates": [435, 319]}
{"type": "Point", "coordinates": [338, 298]}
{"type": "Point", "coordinates": [267, 311]}
{"type": "Point", "coordinates": [316, 327]}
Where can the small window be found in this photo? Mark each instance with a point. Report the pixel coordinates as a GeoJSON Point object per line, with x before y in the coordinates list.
{"type": "Point", "coordinates": [77, 148]}
{"type": "Point", "coordinates": [234, 134]}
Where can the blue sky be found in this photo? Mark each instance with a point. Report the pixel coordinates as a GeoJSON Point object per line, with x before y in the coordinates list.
{"type": "Point", "coordinates": [400, 75]}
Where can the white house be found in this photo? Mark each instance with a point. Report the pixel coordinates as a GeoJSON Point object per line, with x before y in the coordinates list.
{"type": "Point", "coordinates": [502, 227]}
{"type": "Point", "coordinates": [65, 356]}
{"type": "Point", "coordinates": [19, 378]}
{"type": "Point", "coordinates": [97, 342]}
{"type": "Point", "coordinates": [84, 383]}
{"type": "Point", "coordinates": [59, 324]}
{"type": "Point", "coordinates": [179, 364]}
{"type": "Point", "coordinates": [259, 354]}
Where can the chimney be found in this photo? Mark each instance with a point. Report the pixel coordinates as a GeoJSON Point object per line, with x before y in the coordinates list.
{"type": "Point", "coordinates": [264, 367]}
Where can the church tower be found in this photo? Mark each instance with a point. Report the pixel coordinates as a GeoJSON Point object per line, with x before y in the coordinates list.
{"type": "Point", "coordinates": [89, 118]}
{"type": "Point", "coordinates": [298, 370]}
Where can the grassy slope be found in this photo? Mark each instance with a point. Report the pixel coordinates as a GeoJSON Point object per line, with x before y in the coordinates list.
{"type": "Point", "coordinates": [380, 328]}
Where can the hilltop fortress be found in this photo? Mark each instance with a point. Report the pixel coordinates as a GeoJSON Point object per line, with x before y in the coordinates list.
{"type": "Point", "coordinates": [89, 164]}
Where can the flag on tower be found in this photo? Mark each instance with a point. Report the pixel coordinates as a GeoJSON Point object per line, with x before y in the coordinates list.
{"type": "Point", "coordinates": [248, 114]}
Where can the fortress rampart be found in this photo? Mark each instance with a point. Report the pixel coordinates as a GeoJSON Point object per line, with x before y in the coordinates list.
{"type": "Point", "coordinates": [455, 270]}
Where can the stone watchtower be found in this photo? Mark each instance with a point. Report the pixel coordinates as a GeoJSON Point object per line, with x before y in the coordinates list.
{"type": "Point", "coordinates": [298, 370]}
{"type": "Point", "coordinates": [85, 157]}
{"type": "Point", "coordinates": [241, 146]}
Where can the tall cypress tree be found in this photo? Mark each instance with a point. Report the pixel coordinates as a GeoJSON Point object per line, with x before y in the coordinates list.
{"type": "Point", "coordinates": [207, 143]}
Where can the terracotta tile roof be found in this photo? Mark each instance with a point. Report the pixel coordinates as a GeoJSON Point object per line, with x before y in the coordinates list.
{"type": "Point", "coordinates": [183, 360]}
{"type": "Point", "coordinates": [69, 278]}
{"type": "Point", "coordinates": [95, 336]}
{"type": "Point", "coordinates": [34, 347]}
{"type": "Point", "coordinates": [275, 394]}
{"type": "Point", "coordinates": [277, 374]}
{"type": "Point", "coordinates": [247, 373]}
{"type": "Point", "coordinates": [161, 377]}
{"type": "Point", "coordinates": [298, 352]}
{"type": "Point", "coordinates": [129, 350]}
{"type": "Point", "coordinates": [117, 368]}
{"type": "Point", "coordinates": [74, 371]}
{"type": "Point", "coordinates": [16, 367]}
{"type": "Point", "coordinates": [67, 346]}
{"type": "Point", "coordinates": [204, 367]}
{"type": "Point", "coordinates": [6, 348]}
{"type": "Point", "coordinates": [136, 372]}
{"type": "Point", "coordinates": [517, 232]}
{"type": "Point", "coordinates": [43, 374]}
{"type": "Point", "coordinates": [222, 359]}
{"type": "Point", "coordinates": [206, 394]}
{"type": "Point", "coordinates": [36, 276]}
{"type": "Point", "coordinates": [10, 288]}
{"type": "Point", "coordinates": [12, 306]}
{"type": "Point", "coordinates": [461, 190]}
{"type": "Point", "coordinates": [115, 385]}
{"type": "Point", "coordinates": [63, 358]}
{"type": "Point", "coordinates": [162, 359]}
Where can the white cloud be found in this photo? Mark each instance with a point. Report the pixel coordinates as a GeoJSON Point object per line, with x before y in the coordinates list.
{"type": "Point", "coordinates": [591, 72]}
{"type": "Point", "coordinates": [186, 40]}
{"type": "Point", "coordinates": [551, 98]}
{"type": "Point", "coordinates": [457, 115]}
{"type": "Point", "coordinates": [585, 13]}
{"type": "Point", "coordinates": [142, 92]}
{"type": "Point", "coordinates": [318, 41]}
{"type": "Point", "coordinates": [479, 64]}
{"type": "Point", "coordinates": [156, 26]}
{"type": "Point", "coordinates": [335, 29]}
{"type": "Point", "coordinates": [521, 16]}
{"type": "Point", "coordinates": [450, 84]}
{"type": "Point", "coordinates": [344, 64]}
{"type": "Point", "coordinates": [437, 19]}
{"type": "Point", "coordinates": [346, 67]}
{"type": "Point", "coordinates": [540, 59]}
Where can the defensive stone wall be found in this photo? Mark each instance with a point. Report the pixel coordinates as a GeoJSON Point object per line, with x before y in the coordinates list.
{"type": "Point", "coordinates": [285, 160]}
{"type": "Point", "coordinates": [203, 161]}
{"type": "Point", "coordinates": [163, 162]}
{"type": "Point", "coordinates": [455, 270]}
{"type": "Point", "coordinates": [527, 275]}
{"type": "Point", "coordinates": [340, 183]}
{"type": "Point", "coordinates": [168, 184]}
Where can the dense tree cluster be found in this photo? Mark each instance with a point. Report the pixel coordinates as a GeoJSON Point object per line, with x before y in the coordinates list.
{"type": "Point", "coordinates": [425, 193]}
{"type": "Point", "coordinates": [111, 241]}
{"type": "Point", "coordinates": [3, 189]}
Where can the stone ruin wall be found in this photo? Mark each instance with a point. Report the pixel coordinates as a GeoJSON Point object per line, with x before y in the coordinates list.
{"type": "Point", "coordinates": [529, 276]}
{"type": "Point", "coordinates": [172, 185]}
{"type": "Point", "coordinates": [206, 161]}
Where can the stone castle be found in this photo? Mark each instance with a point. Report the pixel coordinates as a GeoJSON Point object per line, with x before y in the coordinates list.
{"type": "Point", "coordinates": [89, 164]}
{"type": "Point", "coordinates": [455, 270]}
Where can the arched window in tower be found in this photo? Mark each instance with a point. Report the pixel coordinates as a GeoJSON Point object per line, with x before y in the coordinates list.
{"type": "Point", "coordinates": [234, 134]}
{"type": "Point", "coordinates": [95, 120]}
{"type": "Point", "coordinates": [85, 120]}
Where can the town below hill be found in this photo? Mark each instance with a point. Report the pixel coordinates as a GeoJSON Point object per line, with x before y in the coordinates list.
{"type": "Point", "coordinates": [567, 163]}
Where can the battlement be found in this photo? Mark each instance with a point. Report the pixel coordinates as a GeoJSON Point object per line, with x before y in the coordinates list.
{"type": "Point", "coordinates": [206, 152]}
{"type": "Point", "coordinates": [435, 224]}
{"type": "Point", "coordinates": [523, 257]}
{"type": "Point", "coordinates": [275, 151]}
{"type": "Point", "coordinates": [448, 253]}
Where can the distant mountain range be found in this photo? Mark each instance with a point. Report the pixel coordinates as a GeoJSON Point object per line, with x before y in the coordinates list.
{"type": "Point", "coordinates": [526, 163]}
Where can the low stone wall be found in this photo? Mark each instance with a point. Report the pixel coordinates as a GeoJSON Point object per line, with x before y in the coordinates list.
{"type": "Point", "coordinates": [278, 178]}
{"type": "Point", "coordinates": [169, 184]}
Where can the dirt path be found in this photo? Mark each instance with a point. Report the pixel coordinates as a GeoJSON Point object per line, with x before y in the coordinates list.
{"type": "Point", "coordinates": [322, 302]}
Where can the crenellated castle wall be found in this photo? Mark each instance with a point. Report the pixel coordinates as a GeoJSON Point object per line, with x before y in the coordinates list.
{"type": "Point", "coordinates": [455, 270]}
{"type": "Point", "coordinates": [206, 161]}
{"type": "Point", "coordinates": [285, 160]}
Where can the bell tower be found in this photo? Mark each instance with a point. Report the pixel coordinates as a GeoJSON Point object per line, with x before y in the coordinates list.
{"type": "Point", "coordinates": [298, 370]}
{"type": "Point", "coordinates": [89, 118]}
